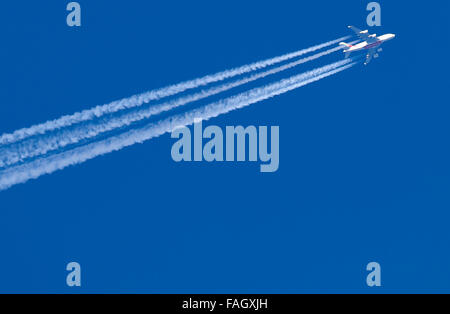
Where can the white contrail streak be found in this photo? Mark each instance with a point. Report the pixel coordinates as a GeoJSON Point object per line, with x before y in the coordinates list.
{"type": "Point", "coordinates": [138, 100]}
{"type": "Point", "coordinates": [48, 165]}
{"type": "Point", "coordinates": [42, 145]}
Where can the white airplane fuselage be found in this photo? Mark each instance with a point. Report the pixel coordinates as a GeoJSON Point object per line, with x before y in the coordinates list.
{"type": "Point", "coordinates": [366, 46]}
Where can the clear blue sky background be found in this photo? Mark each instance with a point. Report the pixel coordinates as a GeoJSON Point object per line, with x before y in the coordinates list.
{"type": "Point", "coordinates": [364, 160]}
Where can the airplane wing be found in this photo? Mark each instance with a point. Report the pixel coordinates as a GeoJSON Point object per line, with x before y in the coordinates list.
{"type": "Point", "coordinates": [370, 55]}
{"type": "Point", "coordinates": [363, 35]}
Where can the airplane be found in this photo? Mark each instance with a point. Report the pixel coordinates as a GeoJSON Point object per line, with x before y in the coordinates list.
{"type": "Point", "coordinates": [371, 43]}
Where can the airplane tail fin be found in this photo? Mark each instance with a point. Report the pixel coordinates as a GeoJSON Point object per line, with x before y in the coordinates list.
{"type": "Point", "coordinates": [345, 45]}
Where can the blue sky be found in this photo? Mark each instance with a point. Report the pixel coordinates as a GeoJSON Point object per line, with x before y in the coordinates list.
{"type": "Point", "coordinates": [364, 173]}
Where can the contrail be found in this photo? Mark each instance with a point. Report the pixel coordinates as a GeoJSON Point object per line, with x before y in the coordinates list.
{"type": "Point", "coordinates": [30, 148]}
{"type": "Point", "coordinates": [48, 165]}
{"type": "Point", "coordinates": [140, 99]}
